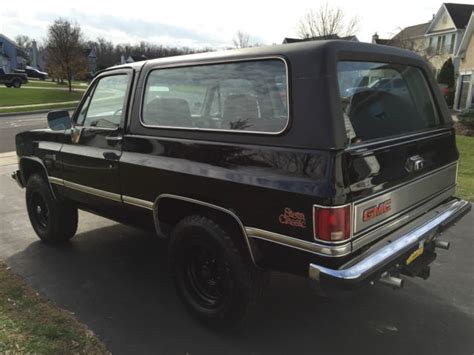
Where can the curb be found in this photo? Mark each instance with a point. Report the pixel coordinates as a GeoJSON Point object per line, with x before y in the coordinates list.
{"type": "Point", "coordinates": [36, 112]}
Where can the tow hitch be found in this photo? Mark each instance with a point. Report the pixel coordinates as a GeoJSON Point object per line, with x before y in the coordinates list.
{"type": "Point", "coordinates": [392, 281]}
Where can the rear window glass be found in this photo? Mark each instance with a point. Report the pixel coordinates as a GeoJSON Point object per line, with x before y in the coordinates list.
{"type": "Point", "coordinates": [381, 100]}
{"type": "Point", "coordinates": [239, 96]}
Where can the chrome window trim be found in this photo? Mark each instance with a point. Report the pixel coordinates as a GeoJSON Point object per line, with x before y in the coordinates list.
{"type": "Point", "coordinates": [300, 244]}
{"type": "Point", "coordinates": [210, 62]}
{"type": "Point", "coordinates": [206, 204]}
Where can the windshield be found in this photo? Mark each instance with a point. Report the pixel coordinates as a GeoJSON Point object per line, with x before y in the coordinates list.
{"type": "Point", "coordinates": [381, 100]}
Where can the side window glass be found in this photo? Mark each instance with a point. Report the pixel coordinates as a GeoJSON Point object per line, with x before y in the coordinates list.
{"type": "Point", "coordinates": [104, 105]}
{"type": "Point", "coordinates": [243, 96]}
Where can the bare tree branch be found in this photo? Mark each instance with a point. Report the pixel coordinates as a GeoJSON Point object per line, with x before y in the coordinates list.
{"type": "Point", "coordinates": [241, 40]}
{"type": "Point", "coordinates": [326, 21]}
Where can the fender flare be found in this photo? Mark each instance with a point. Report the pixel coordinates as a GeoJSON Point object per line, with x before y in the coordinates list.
{"type": "Point", "coordinates": [203, 204]}
{"type": "Point", "coordinates": [36, 160]}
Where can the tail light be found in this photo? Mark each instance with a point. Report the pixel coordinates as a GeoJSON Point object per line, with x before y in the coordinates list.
{"type": "Point", "coordinates": [332, 224]}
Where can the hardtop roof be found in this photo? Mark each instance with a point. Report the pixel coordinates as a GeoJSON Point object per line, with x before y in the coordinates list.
{"type": "Point", "coordinates": [316, 48]}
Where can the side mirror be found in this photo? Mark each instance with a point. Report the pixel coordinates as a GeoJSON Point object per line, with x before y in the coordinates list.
{"type": "Point", "coordinates": [59, 120]}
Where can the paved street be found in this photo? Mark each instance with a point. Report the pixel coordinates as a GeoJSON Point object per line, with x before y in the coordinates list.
{"type": "Point", "coordinates": [114, 278]}
{"type": "Point", "coordinates": [11, 125]}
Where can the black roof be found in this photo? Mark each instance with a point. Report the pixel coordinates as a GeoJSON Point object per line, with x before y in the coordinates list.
{"type": "Point", "coordinates": [304, 50]}
{"type": "Point", "coordinates": [460, 13]}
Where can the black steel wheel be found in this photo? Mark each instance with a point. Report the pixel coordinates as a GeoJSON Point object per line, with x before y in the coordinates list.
{"type": "Point", "coordinates": [40, 210]}
{"type": "Point", "coordinates": [218, 283]}
{"type": "Point", "coordinates": [207, 275]}
{"type": "Point", "coordinates": [53, 220]}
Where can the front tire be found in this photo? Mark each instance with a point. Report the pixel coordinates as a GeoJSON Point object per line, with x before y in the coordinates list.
{"type": "Point", "coordinates": [53, 221]}
{"type": "Point", "coordinates": [217, 282]}
{"type": "Point", "coordinates": [16, 83]}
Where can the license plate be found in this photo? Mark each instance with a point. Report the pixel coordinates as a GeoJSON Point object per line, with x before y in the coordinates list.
{"type": "Point", "coordinates": [416, 253]}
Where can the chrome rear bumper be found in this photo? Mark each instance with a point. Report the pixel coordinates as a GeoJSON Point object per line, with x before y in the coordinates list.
{"type": "Point", "coordinates": [392, 249]}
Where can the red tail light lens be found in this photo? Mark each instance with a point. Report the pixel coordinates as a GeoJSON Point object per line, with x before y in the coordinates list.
{"type": "Point", "coordinates": [332, 224]}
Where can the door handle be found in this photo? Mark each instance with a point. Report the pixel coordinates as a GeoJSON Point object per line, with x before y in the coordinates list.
{"type": "Point", "coordinates": [114, 138]}
{"type": "Point", "coordinates": [112, 156]}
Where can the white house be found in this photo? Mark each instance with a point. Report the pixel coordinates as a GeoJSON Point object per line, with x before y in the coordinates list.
{"type": "Point", "coordinates": [465, 58]}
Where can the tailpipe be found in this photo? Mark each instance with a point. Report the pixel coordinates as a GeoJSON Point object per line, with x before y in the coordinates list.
{"type": "Point", "coordinates": [392, 281]}
{"type": "Point", "coordinates": [442, 244]}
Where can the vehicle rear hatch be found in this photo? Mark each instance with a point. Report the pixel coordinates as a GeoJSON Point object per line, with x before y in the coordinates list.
{"type": "Point", "coordinates": [401, 156]}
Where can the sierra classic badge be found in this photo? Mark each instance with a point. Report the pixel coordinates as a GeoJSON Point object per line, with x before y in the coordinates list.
{"type": "Point", "coordinates": [295, 219]}
{"type": "Point", "coordinates": [377, 210]}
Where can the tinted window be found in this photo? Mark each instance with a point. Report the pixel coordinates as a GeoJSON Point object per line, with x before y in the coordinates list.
{"type": "Point", "coordinates": [381, 100]}
{"type": "Point", "coordinates": [103, 107]}
{"type": "Point", "coordinates": [242, 96]}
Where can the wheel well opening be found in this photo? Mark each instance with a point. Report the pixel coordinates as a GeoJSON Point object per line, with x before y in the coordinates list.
{"type": "Point", "coordinates": [29, 167]}
{"type": "Point", "coordinates": [169, 212]}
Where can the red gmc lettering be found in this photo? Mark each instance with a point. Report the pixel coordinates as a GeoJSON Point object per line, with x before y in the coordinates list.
{"type": "Point", "coordinates": [377, 210]}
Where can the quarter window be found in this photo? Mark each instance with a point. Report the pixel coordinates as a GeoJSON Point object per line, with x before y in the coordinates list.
{"type": "Point", "coordinates": [104, 105]}
{"type": "Point", "coordinates": [240, 96]}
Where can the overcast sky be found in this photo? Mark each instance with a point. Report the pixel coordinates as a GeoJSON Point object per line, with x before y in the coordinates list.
{"type": "Point", "coordinates": [202, 23]}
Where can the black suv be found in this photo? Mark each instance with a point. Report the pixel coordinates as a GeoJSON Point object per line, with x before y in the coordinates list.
{"type": "Point", "coordinates": [286, 158]}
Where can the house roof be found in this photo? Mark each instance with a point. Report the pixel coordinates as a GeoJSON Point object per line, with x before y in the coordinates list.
{"type": "Point", "coordinates": [466, 38]}
{"type": "Point", "coordinates": [383, 41]}
{"type": "Point", "coordinates": [319, 38]}
{"type": "Point", "coordinates": [9, 40]}
{"type": "Point", "coordinates": [460, 13]}
{"type": "Point", "coordinates": [412, 31]}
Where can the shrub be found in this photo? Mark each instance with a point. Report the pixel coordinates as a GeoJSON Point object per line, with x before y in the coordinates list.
{"type": "Point", "coordinates": [446, 76]}
{"type": "Point", "coordinates": [467, 117]}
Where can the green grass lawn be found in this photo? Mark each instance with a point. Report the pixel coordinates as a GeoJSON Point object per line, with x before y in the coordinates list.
{"type": "Point", "coordinates": [50, 84]}
{"type": "Point", "coordinates": [42, 108]}
{"type": "Point", "coordinates": [29, 324]}
{"type": "Point", "coordinates": [466, 167]}
{"type": "Point", "coordinates": [15, 97]}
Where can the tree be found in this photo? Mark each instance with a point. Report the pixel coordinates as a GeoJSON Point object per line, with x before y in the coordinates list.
{"type": "Point", "coordinates": [241, 40]}
{"type": "Point", "coordinates": [24, 45]}
{"type": "Point", "coordinates": [421, 46]}
{"type": "Point", "coordinates": [326, 21]}
{"type": "Point", "coordinates": [446, 74]}
{"type": "Point", "coordinates": [65, 50]}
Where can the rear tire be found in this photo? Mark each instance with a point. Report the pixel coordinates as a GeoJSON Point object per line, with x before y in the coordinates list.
{"type": "Point", "coordinates": [8, 85]}
{"type": "Point", "coordinates": [16, 83]}
{"type": "Point", "coordinates": [219, 285]}
{"type": "Point", "coordinates": [53, 221]}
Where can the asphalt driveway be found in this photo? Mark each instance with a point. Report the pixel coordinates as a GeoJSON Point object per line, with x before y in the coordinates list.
{"type": "Point", "coordinates": [114, 278]}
